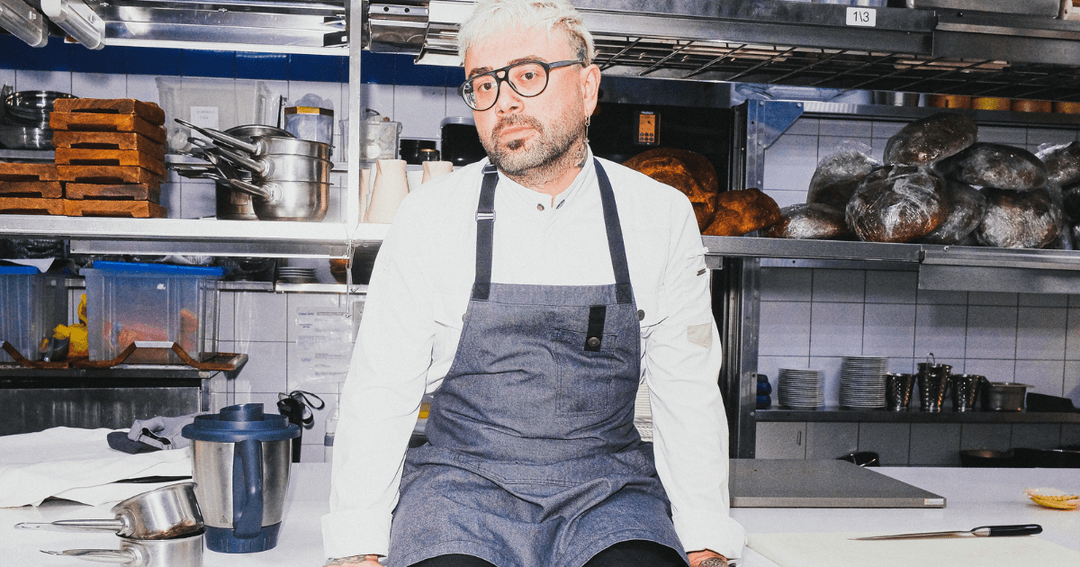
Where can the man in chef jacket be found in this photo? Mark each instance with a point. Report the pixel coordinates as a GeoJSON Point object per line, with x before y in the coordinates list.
{"type": "Point", "coordinates": [531, 293]}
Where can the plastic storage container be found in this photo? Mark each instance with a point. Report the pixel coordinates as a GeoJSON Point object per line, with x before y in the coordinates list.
{"type": "Point", "coordinates": [128, 302]}
{"type": "Point", "coordinates": [213, 103]}
{"type": "Point", "coordinates": [31, 306]}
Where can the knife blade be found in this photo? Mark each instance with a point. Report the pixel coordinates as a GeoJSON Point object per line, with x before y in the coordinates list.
{"type": "Point", "coordinates": [982, 531]}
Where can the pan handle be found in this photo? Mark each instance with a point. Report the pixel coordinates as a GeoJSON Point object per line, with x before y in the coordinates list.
{"type": "Point", "coordinates": [266, 192]}
{"type": "Point", "coordinates": [89, 524]}
{"type": "Point", "coordinates": [127, 555]}
{"type": "Point", "coordinates": [262, 169]}
{"type": "Point", "coordinates": [222, 137]}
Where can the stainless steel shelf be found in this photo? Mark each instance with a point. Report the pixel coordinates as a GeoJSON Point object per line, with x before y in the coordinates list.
{"type": "Point", "coordinates": [914, 416]}
{"type": "Point", "coordinates": [94, 235]}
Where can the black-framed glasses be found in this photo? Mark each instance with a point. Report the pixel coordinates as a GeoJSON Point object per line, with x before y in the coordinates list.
{"type": "Point", "coordinates": [527, 78]}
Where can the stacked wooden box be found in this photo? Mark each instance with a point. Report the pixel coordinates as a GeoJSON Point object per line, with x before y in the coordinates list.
{"type": "Point", "coordinates": [110, 154]}
{"type": "Point", "coordinates": [30, 188]}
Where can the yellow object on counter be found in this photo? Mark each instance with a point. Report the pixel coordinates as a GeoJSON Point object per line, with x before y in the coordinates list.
{"type": "Point", "coordinates": [1053, 498]}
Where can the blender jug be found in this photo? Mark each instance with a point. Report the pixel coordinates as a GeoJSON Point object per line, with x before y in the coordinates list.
{"type": "Point", "coordinates": [240, 464]}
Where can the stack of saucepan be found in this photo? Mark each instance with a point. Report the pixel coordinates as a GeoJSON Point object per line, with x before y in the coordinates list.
{"type": "Point", "coordinates": [159, 528]}
{"type": "Point", "coordinates": [24, 119]}
{"type": "Point", "coordinates": [262, 172]}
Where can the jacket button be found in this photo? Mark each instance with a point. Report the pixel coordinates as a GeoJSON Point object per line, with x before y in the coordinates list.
{"type": "Point", "coordinates": [641, 315]}
{"type": "Point", "coordinates": [593, 342]}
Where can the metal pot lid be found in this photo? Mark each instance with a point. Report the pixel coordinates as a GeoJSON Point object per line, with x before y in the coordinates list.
{"type": "Point", "coordinates": [241, 423]}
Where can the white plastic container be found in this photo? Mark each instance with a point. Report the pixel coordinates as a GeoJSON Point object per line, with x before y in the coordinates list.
{"type": "Point", "coordinates": [213, 103]}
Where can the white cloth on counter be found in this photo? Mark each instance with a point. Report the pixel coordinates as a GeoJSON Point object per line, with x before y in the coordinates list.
{"type": "Point", "coordinates": [412, 324]}
{"type": "Point", "coordinates": [77, 464]}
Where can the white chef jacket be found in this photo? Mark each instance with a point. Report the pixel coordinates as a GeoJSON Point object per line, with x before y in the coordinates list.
{"type": "Point", "coordinates": [420, 288]}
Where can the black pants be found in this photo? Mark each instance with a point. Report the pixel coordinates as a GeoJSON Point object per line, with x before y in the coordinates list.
{"type": "Point", "coordinates": [634, 553]}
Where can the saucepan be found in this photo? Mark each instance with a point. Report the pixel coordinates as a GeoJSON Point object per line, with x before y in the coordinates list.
{"type": "Point", "coordinates": [285, 200]}
{"type": "Point", "coordinates": [163, 513]}
{"type": "Point", "coordinates": [179, 552]}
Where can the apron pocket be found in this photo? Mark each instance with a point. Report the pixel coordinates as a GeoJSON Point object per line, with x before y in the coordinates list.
{"type": "Point", "coordinates": [587, 380]}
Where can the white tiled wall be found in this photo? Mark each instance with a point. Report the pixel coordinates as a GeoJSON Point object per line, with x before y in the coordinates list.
{"type": "Point", "coordinates": [263, 324]}
{"type": "Point", "coordinates": [812, 317]}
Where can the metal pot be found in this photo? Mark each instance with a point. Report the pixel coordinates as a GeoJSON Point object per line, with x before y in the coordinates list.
{"type": "Point", "coordinates": [163, 513]}
{"type": "Point", "coordinates": [236, 205]}
{"type": "Point", "coordinates": [179, 552]}
{"type": "Point", "coordinates": [287, 200]}
{"type": "Point", "coordinates": [1004, 396]}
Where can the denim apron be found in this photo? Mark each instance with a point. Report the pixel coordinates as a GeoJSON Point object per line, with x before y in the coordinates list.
{"type": "Point", "coordinates": [532, 457]}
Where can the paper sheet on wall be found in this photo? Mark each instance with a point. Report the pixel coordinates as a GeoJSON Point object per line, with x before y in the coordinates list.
{"type": "Point", "coordinates": [838, 550]}
{"type": "Point", "coordinates": [324, 342]}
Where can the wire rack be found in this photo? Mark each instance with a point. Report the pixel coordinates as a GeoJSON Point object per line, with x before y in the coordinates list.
{"type": "Point", "coordinates": [834, 68]}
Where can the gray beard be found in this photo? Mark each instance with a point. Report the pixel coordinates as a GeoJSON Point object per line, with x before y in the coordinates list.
{"type": "Point", "coordinates": [549, 156]}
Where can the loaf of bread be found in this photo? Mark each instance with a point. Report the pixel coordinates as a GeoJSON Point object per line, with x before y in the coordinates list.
{"type": "Point", "coordinates": [897, 204]}
{"type": "Point", "coordinates": [966, 208]}
{"type": "Point", "coordinates": [810, 221]}
{"type": "Point", "coordinates": [689, 172]}
{"type": "Point", "coordinates": [930, 139]}
{"type": "Point", "coordinates": [838, 176]}
{"type": "Point", "coordinates": [742, 211]}
{"type": "Point", "coordinates": [995, 165]}
{"type": "Point", "coordinates": [1019, 219]}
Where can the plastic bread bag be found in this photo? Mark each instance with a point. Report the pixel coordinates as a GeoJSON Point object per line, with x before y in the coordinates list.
{"type": "Point", "coordinates": [810, 221]}
{"type": "Point", "coordinates": [1019, 219]}
{"type": "Point", "coordinates": [966, 208]}
{"type": "Point", "coordinates": [839, 174]}
{"type": "Point", "coordinates": [898, 204]}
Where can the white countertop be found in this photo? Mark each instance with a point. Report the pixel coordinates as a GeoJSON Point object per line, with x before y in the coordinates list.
{"type": "Point", "coordinates": [975, 497]}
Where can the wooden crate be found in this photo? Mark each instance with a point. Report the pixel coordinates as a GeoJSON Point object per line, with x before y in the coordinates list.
{"type": "Point", "coordinates": [148, 111]}
{"type": "Point", "coordinates": [31, 206]}
{"type": "Point", "coordinates": [43, 189]}
{"type": "Point", "coordinates": [113, 191]}
{"type": "Point", "coordinates": [100, 122]}
{"type": "Point", "coordinates": [109, 175]}
{"type": "Point", "coordinates": [28, 172]}
{"type": "Point", "coordinates": [104, 208]}
{"type": "Point", "coordinates": [81, 156]}
{"type": "Point", "coordinates": [108, 141]}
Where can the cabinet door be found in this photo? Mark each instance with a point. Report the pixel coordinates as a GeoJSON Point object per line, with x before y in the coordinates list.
{"type": "Point", "coordinates": [781, 440]}
{"type": "Point", "coordinates": [829, 440]}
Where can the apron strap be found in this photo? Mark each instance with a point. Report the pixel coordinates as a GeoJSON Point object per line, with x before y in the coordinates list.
{"type": "Point", "coordinates": [485, 227]}
{"type": "Point", "coordinates": [623, 292]}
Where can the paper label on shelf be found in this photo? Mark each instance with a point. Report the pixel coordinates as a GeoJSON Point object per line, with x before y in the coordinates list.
{"type": "Point", "coordinates": [861, 16]}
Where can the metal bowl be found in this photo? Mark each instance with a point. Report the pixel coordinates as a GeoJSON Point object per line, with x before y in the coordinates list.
{"type": "Point", "coordinates": [15, 137]}
{"type": "Point", "coordinates": [32, 104]}
{"type": "Point", "coordinates": [252, 130]}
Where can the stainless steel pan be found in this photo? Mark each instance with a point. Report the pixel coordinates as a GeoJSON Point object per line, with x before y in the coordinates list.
{"type": "Point", "coordinates": [163, 513]}
{"type": "Point", "coordinates": [179, 552]}
{"type": "Point", "coordinates": [282, 167]}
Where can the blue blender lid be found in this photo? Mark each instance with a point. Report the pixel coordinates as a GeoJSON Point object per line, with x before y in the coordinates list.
{"type": "Point", "coordinates": [240, 423]}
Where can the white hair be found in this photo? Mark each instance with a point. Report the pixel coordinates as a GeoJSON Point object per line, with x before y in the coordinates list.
{"type": "Point", "coordinates": [494, 16]}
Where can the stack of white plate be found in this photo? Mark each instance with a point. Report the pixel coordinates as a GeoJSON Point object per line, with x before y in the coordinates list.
{"type": "Point", "coordinates": [800, 389]}
{"type": "Point", "coordinates": [296, 275]}
{"type": "Point", "coordinates": [862, 382]}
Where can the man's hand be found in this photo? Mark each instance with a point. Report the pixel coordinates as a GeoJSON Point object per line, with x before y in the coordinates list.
{"type": "Point", "coordinates": [355, 561]}
{"type": "Point", "coordinates": [706, 558]}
